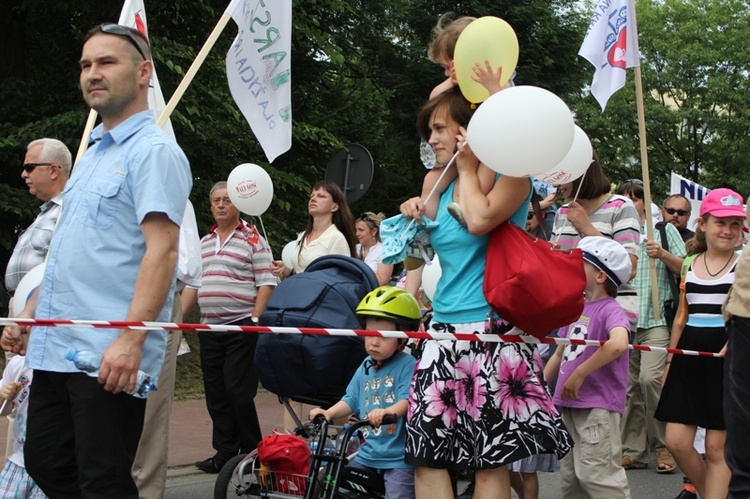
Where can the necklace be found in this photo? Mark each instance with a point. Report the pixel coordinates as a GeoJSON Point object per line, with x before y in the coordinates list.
{"type": "Point", "coordinates": [705, 263]}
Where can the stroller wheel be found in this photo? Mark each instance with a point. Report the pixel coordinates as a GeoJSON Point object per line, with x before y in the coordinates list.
{"type": "Point", "coordinates": [237, 478]}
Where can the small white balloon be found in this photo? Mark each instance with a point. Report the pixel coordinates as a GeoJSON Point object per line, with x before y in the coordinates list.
{"type": "Point", "coordinates": [26, 287]}
{"type": "Point", "coordinates": [287, 254]}
{"type": "Point", "coordinates": [574, 164]}
{"type": "Point", "coordinates": [250, 188]}
{"type": "Point", "coordinates": [521, 131]}
{"type": "Point", "coordinates": [430, 277]}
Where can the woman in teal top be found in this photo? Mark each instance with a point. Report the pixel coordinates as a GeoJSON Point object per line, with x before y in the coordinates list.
{"type": "Point", "coordinates": [473, 405]}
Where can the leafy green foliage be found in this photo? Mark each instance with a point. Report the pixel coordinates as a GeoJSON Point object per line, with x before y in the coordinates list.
{"type": "Point", "coordinates": [696, 86]}
{"type": "Point", "coordinates": [359, 71]}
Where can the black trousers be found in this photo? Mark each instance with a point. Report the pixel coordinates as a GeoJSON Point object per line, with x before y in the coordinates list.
{"type": "Point", "coordinates": [737, 406]}
{"type": "Point", "coordinates": [231, 383]}
{"type": "Point", "coordinates": [80, 439]}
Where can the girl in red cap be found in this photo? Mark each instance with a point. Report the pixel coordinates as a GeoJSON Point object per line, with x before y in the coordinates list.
{"type": "Point", "coordinates": [693, 386]}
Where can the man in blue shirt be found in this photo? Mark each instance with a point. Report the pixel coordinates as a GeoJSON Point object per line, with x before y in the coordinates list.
{"type": "Point", "coordinates": [112, 257]}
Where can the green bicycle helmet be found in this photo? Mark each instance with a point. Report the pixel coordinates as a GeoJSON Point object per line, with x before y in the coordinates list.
{"type": "Point", "coordinates": [390, 302]}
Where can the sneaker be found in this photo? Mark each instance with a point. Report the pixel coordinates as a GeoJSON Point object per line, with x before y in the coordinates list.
{"type": "Point", "coordinates": [211, 465]}
{"type": "Point", "coordinates": [686, 494]}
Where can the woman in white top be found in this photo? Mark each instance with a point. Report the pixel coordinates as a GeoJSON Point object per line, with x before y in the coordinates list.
{"type": "Point", "coordinates": [329, 231]}
{"type": "Point", "coordinates": [370, 247]}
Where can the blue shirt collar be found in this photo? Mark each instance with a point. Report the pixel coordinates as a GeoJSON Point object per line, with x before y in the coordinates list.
{"type": "Point", "coordinates": [125, 129]}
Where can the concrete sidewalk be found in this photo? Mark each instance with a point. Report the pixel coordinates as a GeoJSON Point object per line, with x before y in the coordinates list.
{"type": "Point", "coordinates": [190, 430]}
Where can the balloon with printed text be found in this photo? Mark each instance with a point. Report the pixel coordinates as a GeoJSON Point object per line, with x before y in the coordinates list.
{"type": "Point", "coordinates": [489, 39]}
{"type": "Point", "coordinates": [250, 188]}
{"type": "Point", "coordinates": [521, 131]}
{"type": "Point", "coordinates": [574, 164]}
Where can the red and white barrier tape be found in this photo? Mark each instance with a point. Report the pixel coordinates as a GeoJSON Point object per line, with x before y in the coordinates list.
{"type": "Point", "coordinates": [175, 326]}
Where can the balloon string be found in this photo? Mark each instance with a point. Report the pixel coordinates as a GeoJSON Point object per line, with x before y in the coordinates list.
{"type": "Point", "coordinates": [263, 228]}
{"type": "Point", "coordinates": [442, 174]}
{"type": "Point", "coordinates": [575, 198]}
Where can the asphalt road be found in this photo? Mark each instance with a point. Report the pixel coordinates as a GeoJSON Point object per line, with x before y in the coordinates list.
{"type": "Point", "coordinates": [189, 483]}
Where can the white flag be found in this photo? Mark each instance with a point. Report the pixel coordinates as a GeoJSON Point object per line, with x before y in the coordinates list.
{"type": "Point", "coordinates": [259, 70]}
{"type": "Point", "coordinates": [611, 45]}
{"type": "Point", "coordinates": [133, 15]}
{"type": "Point", "coordinates": [693, 191]}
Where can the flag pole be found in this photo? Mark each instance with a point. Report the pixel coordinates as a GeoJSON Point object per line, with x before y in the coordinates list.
{"type": "Point", "coordinates": [646, 189]}
{"type": "Point", "coordinates": [194, 67]}
{"type": "Point", "coordinates": [90, 122]}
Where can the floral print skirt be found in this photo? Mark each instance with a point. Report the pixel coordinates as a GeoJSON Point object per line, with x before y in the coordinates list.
{"type": "Point", "coordinates": [480, 405]}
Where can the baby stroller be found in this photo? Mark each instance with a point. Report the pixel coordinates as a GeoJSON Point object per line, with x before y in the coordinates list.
{"type": "Point", "coordinates": [307, 368]}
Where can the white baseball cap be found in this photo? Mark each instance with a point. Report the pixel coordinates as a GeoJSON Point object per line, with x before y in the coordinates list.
{"type": "Point", "coordinates": [607, 255]}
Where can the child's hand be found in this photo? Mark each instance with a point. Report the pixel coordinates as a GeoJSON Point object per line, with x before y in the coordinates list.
{"type": "Point", "coordinates": [317, 411]}
{"type": "Point", "coordinates": [486, 77]}
{"type": "Point", "coordinates": [571, 386]}
{"type": "Point", "coordinates": [664, 374]}
{"type": "Point", "coordinates": [10, 391]}
{"type": "Point", "coordinates": [375, 417]}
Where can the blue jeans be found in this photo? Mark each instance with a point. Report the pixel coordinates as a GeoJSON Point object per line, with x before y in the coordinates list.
{"type": "Point", "coordinates": [737, 406]}
{"type": "Point", "coordinates": [399, 482]}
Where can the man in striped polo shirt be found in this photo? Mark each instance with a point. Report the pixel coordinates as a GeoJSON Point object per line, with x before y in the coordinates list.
{"type": "Point", "coordinates": [236, 284]}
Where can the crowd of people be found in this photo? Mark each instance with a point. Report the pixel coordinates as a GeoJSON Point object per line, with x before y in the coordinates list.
{"type": "Point", "coordinates": [497, 410]}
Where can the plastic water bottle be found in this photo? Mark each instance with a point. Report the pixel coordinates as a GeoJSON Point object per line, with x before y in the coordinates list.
{"type": "Point", "coordinates": [328, 450]}
{"type": "Point", "coordinates": [89, 362]}
{"type": "Point", "coordinates": [352, 445]}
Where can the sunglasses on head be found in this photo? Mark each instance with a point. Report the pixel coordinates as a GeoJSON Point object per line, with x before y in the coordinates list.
{"type": "Point", "coordinates": [634, 181]}
{"type": "Point", "coordinates": [365, 217]}
{"type": "Point", "coordinates": [29, 167]}
{"type": "Point", "coordinates": [116, 29]}
{"type": "Point", "coordinates": [672, 211]}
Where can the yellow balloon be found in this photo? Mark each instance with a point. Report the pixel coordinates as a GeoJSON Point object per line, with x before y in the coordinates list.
{"type": "Point", "coordinates": [486, 39]}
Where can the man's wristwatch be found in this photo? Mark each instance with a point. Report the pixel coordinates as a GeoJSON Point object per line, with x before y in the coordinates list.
{"type": "Point", "coordinates": [255, 320]}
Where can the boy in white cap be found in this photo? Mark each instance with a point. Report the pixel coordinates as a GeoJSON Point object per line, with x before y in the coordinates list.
{"type": "Point", "coordinates": [593, 381]}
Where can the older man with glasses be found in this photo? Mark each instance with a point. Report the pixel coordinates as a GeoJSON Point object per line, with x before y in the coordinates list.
{"type": "Point", "coordinates": [45, 171]}
{"type": "Point", "coordinates": [676, 210]}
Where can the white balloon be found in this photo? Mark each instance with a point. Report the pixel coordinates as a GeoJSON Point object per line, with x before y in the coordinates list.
{"type": "Point", "coordinates": [26, 287]}
{"type": "Point", "coordinates": [574, 164]}
{"type": "Point", "coordinates": [287, 254]}
{"type": "Point", "coordinates": [250, 188]}
{"type": "Point", "coordinates": [521, 131]}
{"type": "Point", "coordinates": [430, 277]}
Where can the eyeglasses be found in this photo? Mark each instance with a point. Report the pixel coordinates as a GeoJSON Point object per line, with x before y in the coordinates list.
{"type": "Point", "coordinates": [116, 29]}
{"type": "Point", "coordinates": [530, 215]}
{"type": "Point", "coordinates": [29, 167]}
{"type": "Point", "coordinates": [634, 181]}
{"type": "Point", "coordinates": [672, 211]}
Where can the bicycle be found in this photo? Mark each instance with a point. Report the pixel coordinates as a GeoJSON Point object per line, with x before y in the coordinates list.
{"type": "Point", "coordinates": [244, 475]}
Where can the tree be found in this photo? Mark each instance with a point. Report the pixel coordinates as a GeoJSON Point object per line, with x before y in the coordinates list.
{"type": "Point", "coordinates": [359, 73]}
{"type": "Point", "coordinates": [696, 85]}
